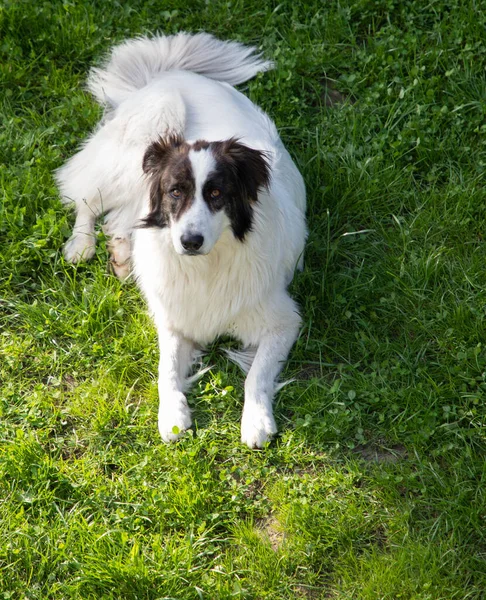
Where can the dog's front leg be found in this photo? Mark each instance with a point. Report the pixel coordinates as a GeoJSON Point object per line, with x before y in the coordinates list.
{"type": "Point", "coordinates": [175, 361]}
{"type": "Point", "coordinates": [257, 423]}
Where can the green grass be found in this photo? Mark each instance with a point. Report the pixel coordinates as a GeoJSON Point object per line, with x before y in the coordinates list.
{"type": "Point", "coordinates": [376, 487]}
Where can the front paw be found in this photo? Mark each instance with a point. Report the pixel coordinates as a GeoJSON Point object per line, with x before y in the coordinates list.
{"type": "Point", "coordinates": [174, 417]}
{"type": "Point", "coordinates": [80, 246]}
{"type": "Point", "coordinates": [257, 426]}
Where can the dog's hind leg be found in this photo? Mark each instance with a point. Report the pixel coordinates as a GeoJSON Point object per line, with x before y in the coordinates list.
{"type": "Point", "coordinates": [118, 227]}
{"type": "Point", "coordinates": [119, 247]}
{"type": "Point", "coordinates": [81, 185]}
{"type": "Point", "coordinates": [81, 244]}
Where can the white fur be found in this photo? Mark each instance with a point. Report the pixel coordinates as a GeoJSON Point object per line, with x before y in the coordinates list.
{"type": "Point", "coordinates": [236, 288]}
{"type": "Point", "coordinates": [199, 219]}
{"type": "Point", "coordinates": [135, 63]}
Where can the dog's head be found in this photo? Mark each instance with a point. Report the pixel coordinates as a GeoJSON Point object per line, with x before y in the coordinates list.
{"type": "Point", "coordinates": [199, 189]}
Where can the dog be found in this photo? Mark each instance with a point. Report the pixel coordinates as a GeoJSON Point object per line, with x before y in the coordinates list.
{"type": "Point", "coordinates": [203, 202]}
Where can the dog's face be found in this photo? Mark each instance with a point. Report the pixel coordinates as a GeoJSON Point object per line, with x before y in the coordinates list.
{"type": "Point", "coordinates": [200, 189]}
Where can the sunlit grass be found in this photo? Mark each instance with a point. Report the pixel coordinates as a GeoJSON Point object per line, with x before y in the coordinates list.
{"type": "Point", "coordinates": [375, 487]}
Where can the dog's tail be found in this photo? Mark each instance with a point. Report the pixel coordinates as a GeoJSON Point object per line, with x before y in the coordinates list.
{"type": "Point", "coordinates": [133, 64]}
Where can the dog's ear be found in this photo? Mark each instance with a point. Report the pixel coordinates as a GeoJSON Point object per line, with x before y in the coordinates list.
{"type": "Point", "coordinates": [157, 154]}
{"type": "Point", "coordinates": [250, 172]}
{"type": "Point", "coordinates": [249, 165]}
{"type": "Point", "coordinates": [154, 162]}
{"type": "Point", "coordinates": [156, 216]}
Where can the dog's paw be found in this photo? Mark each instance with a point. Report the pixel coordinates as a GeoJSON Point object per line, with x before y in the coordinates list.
{"type": "Point", "coordinates": [120, 251]}
{"type": "Point", "coordinates": [174, 417]}
{"type": "Point", "coordinates": [257, 427]}
{"type": "Point", "coordinates": [121, 271]}
{"type": "Point", "coordinates": [80, 246]}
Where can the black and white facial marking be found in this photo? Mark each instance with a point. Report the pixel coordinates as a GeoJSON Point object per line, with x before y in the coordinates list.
{"type": "Point", "coordinates": [198, 189]}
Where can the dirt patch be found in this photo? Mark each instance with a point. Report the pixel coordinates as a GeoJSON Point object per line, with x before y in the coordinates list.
{"type": "Point", "coordinates": [271, 530]}
{"type": "Point", "coordinates": [309, 593]}
{"type": "Point", "coordinates": [381, 454]}
{"type": "Point", "coordinates": [331, 95]}
{"type": "Point", "coordinates": [254, 489]}
{"type": "Point", "coordinates": [309, 372]}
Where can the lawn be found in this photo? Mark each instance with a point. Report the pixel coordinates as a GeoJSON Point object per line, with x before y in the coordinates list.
{"type": "Point", "coordinates": [376, 486]}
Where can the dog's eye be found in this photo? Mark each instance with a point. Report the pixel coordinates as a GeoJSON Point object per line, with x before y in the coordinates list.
{"type": "Point", "coordinates": [215, 194]}
{"type": "Point", "coordinates": [175, 193]}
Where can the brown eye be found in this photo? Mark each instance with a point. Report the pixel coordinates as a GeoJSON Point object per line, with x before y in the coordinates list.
{"type": "Point", "coordinates": [215, 194]}
{"type": "Point", "coordinates": [175, 193]}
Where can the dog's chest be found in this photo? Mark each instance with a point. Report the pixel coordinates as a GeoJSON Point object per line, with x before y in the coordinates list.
{"type": "Point", "coordinates": [200, 296]}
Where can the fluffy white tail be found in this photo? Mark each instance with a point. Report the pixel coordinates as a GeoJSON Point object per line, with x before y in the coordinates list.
{"type": "Point", "coordinates": [133, 64]}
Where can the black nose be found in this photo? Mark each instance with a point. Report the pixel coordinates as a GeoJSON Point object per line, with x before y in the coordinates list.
{"type": "Point", "coordinates": [192, 241]}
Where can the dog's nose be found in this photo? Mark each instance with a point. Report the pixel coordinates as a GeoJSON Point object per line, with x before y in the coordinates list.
{"type": "Point", "coordinates": [192, 241]}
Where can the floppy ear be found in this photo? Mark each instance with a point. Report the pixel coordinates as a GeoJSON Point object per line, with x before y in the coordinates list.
{"type": "Point", "coordinates": [157, 154]}
{"type": "Point", "coordinates": [156, 216]}
{"type": "Point", "coordinates": [250, 172]}
{"type": "Point", "coordinates": [249, 165]}
{"type": "Point", "coordinates": [154, 162]}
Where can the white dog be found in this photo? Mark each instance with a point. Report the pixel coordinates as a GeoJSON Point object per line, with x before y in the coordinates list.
{"type": "Point", "coordinates": [201, 195]}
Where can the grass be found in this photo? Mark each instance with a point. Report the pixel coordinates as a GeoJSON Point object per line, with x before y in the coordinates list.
{"type": "Point", "coordinates": [375, 488]}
